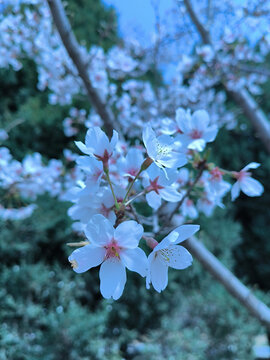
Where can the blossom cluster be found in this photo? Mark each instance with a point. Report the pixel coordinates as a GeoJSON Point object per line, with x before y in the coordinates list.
{"type": "Point", "coordinates": [118, 177]}
{"type": "Point", "coordinates": [28, 31]}
{"type": "Point", "coordinates": [122, 186]}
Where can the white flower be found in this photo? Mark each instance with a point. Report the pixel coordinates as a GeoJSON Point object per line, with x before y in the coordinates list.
{"type": "Point", "coordinates": [115, 249]}
{"type": "Point", "coordinates": [98, 145]}
{"type": "Point", "coordinates": [159, 187]}
{"type": "Point", "coordinates": [195, 129]}
{"type": "Point", "coordinates": [188, 209]}
{"type": "Point", "coordinates": [92, 167]}
{"type": "Point", "coordinates": [162, 150]}
{"type": "Point", "coordinates": [131, 164]}
{"type": "Point", "coordinates": [249, 186]}
{"type": "Point", "coordinates": [169, 254]}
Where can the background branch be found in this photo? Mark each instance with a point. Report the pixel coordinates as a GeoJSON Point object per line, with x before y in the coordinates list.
{"type": "Point", "coordinates": [73, 49]}
{"type": "Point", "coordinates": [234, 286]}
{"type": "Point", "coordinates": [242, 98]}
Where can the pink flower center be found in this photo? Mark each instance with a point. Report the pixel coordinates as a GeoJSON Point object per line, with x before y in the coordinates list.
{"type": "Point", "coordinates": [133, 172]}
{"type": "Point", "coordinates": [112, 250]}
{"type": "Point", "coordinates": [241, 175]}
{"type": "Point", "coordinates": [216, 174]}
{"type": "Point", "coordinates": [105, 211]}
{"type": "Point", "coordinates": [104, 158]}
{"type": "Point", "coordinates": [189, 202]}
{"type": "Point", "coordinates": [195, 134]}
{"type": "Point", "coordinates": [155, 186]}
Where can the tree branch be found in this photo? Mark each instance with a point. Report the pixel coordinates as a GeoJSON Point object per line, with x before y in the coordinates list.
{"type": "Point", "coordinates": [244, 100]}
{"type": "Point", "coordinates": [199, 26]}
{"type": "Point", "coordinates": [231, 283]}
{"type": "Point", "coordinates": [254, 113]}
{"type": "Point", "coordinates": [73, 49]}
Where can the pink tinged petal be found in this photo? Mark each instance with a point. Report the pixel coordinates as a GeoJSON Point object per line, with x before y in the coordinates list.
{"type": "Point", "coordinates": [135, 260]}
{"type": "Point", "coordinates": [251, 187]}
{"type": "Point", "coordinates": [235, 191]}
{"type": "Point", "coordinates": [177, 257]}
{"type": "Point", "coordinates": [99, 230]}
{"type": "Point", "coordinates": [86, 257]}
{"type": "Point", "coordinates": [185, 232]}
{"type": "Point", "coordinates": [158, 272]}
{"type": "Point", "coordinates": [252, 165]}
{"type": "Point", "coordinates": [170, 194]}
{"type": "Point", "coordinates": [128, 234]}
{"type": "Point", "coordinates": [112, 276]}
{"type": "Point", "coordinates": [153, 200]}
{"type": "Point", "coordinates": [210, 133]}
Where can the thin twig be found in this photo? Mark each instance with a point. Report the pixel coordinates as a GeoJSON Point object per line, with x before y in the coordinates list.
{"type": "Point", "coordinates": [190, 188]}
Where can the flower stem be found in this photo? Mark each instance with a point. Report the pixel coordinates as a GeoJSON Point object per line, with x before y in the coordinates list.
{"type": "Point", "coordinates": [147, 162]}
{"type": "Point", "coordinates": [130, 186]}
{"type": "Point", "coordinates": [135, 197]}
{"type": "Point", "coordinates": [106, 170]}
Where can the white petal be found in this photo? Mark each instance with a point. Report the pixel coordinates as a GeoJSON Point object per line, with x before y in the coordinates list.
{"type": "Point", "coordinates": [158, 273]}
{"type": "Point", "coordinates": [114, 140]}
{"type": "Point", "coordinates": [170, 194]}
{"type": "Point", "coordinates": [87, 257]}
{"type": "Point", "coordinates": [174, 160]}
{"type": "Point", "coordinates": [135, 260]}
{"type": "Point", "coordinates": [235, 191]}
{"type": "Point", "coordinates": [252, 165]}
{"type": "Point", "coordinates": [183, 120]}
{"type": "Point", "coordinates": [167, 241]}
{"type": "Point", "coordinates": [96, 140]}
{"type": "Point", "coordinates": [185, 232]}
{"type": "Point", "coordinates": [99, 230]}
{"type": "Point", "coordinates": [200, 119]}
{"type": "Point", "coordinates": [128, 234]}
{"type": "Point", "coordinates": [177, 257]}
{"type": "Point", "coordinates": [153, 200]}
{"type": "Point", "coordinates": [198, 145]}
{"type": "Point", "coordinates": [82, 147]}
{"type": "Point", "coordinates": [150, 141]}
{"type": "Point", "coordinates": [210, 133]}
{"type": "Point", "coordinates": [112, 276]}
{"type": "Point", "coordinates": [251, 187]}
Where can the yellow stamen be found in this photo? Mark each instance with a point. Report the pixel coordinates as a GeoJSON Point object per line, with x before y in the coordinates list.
{"type": "Point", "coordinates": [74, 264]}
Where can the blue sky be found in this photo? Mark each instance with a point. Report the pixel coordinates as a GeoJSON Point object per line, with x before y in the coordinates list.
{"type": "Point", "coordinates": [137, 17]}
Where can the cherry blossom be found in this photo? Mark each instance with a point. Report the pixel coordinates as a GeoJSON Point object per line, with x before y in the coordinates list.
{"type": "Point", "coordinates": [115, 249]}
{"type": "Point", "coordinates": [194, 129]}
{"type": "Point", "coordinates": [167, 254]}
{"type": "Point", "coordinates": [162, 149]}
{"type": "Point", "coordinates": [98, 145]}
{"type": "Point", "coordinates": [246, 183]}
{"type": "Point", "coordinates": [159, 187]}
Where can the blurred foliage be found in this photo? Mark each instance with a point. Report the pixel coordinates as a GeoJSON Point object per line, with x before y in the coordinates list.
{"type": "Point", "coordinates": [50, 313]}
{"type": "Point", "coordinates": [234, 150]}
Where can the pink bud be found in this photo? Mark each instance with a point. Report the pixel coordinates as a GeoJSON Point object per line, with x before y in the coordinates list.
{"type": "Point", "coordinates": [151, 242]}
